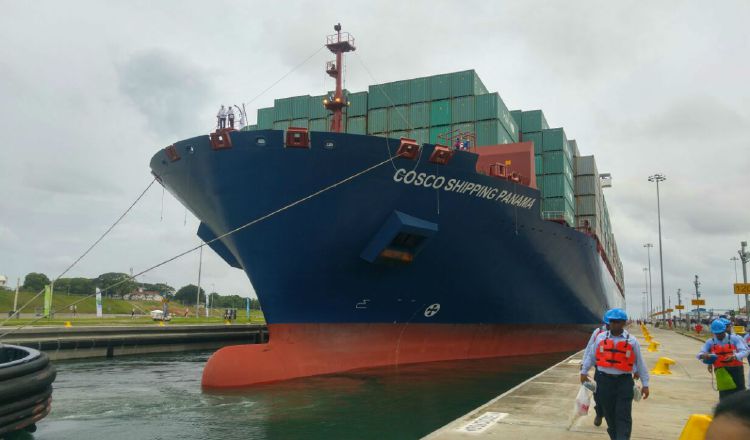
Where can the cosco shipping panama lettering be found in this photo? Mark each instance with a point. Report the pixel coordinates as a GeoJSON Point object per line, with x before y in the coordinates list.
{"type": "Point", "coordinates": [417, 221]}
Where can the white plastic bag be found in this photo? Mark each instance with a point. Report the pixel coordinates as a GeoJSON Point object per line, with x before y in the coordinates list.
{"type": "Point", "coordinates": [583, 401]}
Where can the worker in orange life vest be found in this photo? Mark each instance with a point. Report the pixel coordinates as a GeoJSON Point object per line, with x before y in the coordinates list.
{"type": "Point", "coordinates": [728, 352]}
{"type": "Point", "coordinates": [617, 357]}
{"type": "Point", "coordinates": [598, 407]}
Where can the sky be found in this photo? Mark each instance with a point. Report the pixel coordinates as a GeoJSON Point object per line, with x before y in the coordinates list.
{"type": "Point", "coordinates": [90, 90]}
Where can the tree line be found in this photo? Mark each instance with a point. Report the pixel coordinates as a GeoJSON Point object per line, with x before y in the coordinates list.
{"type": "Point", "coordinates": [186, 295]}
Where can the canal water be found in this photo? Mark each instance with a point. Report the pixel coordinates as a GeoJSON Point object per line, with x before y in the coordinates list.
{"type": "Point", "coordinates": [159, 397]}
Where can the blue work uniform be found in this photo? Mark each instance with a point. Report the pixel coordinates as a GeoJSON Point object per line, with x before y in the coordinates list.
{"type": "Point", "coordinates": [741, 352]}
{"type": "Point", "coordinates": [615, 387]}
{"type": "Point", "coordinates": [603, 329]}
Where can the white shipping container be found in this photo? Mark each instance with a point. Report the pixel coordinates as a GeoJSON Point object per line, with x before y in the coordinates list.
{"type": "Point", "coordinates": [585, 165]}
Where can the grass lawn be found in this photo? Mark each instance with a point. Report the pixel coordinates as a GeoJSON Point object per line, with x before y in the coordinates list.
{"type": "Point", "coordinates": [61, 303]}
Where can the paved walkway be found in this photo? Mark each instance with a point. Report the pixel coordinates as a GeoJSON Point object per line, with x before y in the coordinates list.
{"type": "Point", "coordinates": [542, 407]}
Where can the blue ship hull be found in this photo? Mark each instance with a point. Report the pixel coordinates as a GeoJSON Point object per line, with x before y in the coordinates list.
{"type": "Point", "coordinates": [486, 256]}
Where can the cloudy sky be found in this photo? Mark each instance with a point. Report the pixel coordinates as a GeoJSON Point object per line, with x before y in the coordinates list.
{"type": "Point", "coordinates": [90, 90]}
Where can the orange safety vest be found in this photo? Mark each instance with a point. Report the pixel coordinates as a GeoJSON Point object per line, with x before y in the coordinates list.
{"type": "Point", "coordinates": [723, 352]}
{"type": "Point", "coordinates": [618, 355]}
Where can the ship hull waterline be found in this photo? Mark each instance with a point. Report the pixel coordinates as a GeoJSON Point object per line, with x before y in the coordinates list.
{"type": "Point", "coordinates": [303, 350]}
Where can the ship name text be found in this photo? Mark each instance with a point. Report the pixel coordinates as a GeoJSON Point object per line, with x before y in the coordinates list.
{"type": "Point", "coordinates": [427, 180]}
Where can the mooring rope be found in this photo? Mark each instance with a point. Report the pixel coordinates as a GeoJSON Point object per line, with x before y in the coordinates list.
{"type": "Point", "coordinates": [195, 248]}
{"type": "Point", "coordinates": [101, 237]}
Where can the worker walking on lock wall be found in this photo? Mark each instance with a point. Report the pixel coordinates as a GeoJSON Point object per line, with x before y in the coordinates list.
{"type": "Point", "coordinates": [598, 406]}
{"type": "Point", "coordinates": [725, 352]}
{"type": "Point", "coordinates": [617, 356]}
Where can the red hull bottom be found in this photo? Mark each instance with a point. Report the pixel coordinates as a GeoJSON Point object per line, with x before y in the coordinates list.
{"type": "Point", "coordinates": [300, 350]}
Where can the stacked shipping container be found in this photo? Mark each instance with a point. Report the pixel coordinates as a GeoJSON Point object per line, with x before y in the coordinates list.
{"type": "Point", "coordinates": [426, 108]}
{"type": "Point", "coordinates": [592, 214]}
{"type": "Point", "coordinates": [420, 108]}
{"type": "Point", "coordinates": [554, 164]}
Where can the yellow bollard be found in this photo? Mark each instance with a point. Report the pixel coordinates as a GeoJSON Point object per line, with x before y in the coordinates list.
{"type": "Point", "coordinates": [696, 427]}
{"type": "Point", "coordinates": [161, 323]}
{"type": "Point", "coordinates": [653, 346]}
{"type": "Point", "coordinates": [662, 366]}
{"type": "Point", "coordinates": [68, 324]}
{"type": "Point", "coordinates": [648, 338]}
{"type": "Point", "coordinates": [227, 322]}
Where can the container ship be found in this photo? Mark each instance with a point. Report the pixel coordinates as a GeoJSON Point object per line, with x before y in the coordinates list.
{"type": "Point", "coordinates": [417, 221]}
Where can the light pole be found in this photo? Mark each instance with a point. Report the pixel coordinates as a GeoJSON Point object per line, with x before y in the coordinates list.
{"type": "Point", "coordinates": [698, 296]}
{"type": "Point", "coordinates": [745, 257]}
{"type": "Point", "coordinates": [659, 178]}
{"type": "Point", "coordinates": [648, 247]}
{"type": "Point", "coordinates": [649, 305]}
{"type": "Point", "coordinates": [735, 259]}
{"type": "Point", "coordinates": [679, 303]}
{"type": "Point", "coordinates": [198, 295]}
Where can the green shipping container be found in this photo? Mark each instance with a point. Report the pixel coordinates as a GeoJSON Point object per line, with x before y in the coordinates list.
{"type": "Point", "coordinates": [491, 133]}
{"type": "Point", "coordinates": [421, 135]}
{"type": "Point", "coordinates": [533, 120]}
{"type": "Point", "coordinates": [462, 109]}
{"type": "Point", "coordinates": [558, 208]}
{"type": "Point", "coordinates": [419, 115]}
{"type": "Point", "coordinates": [376, 96]}
{"type": "Point", "coordinates": [554, 140]}
{"type": "Point", "coordinates": [300, 106]}
{"type": "Point", "coordinates": [466, 83]}
{"type": "Point", "coordinates": [281, 125]}
{"type": "Point", "coordinates": [356, 125]}
{"type": "Point", "coordinates": [440, 112]}
{"type": "Point", "coordinates": [377, 120]}
{"type": "Point", "coordinates": [419, 90]}
{"type": "Point", "coordinates": [517, 118]}
{"type": "Point", "coordinates": [440, 87]}
{"type": "Point", "coordinates": [539, 167]}
{"type": "Point", "coordinates": [438, 130]}
{"type": "Point", "coordinates": [536, 138]}
{"type": "Point", "coordinates": [491, 106]}
{"type": "Point", "coordinates": [398, 134]}
{"type": "Point", "coordinates": [558, 185]}
{"type": "Point", "coordinates": [299, 123]}
{"type": "Point", "coordinates": [398, 118]}
{"type": "Point", "coordinates": [320, 124]}
{"type": "Point", "coordinates": [358, 104]}
{"type": "Point", "coordinates": [315, 108]}
{"type": "Point", "coordinates": [265, 118]}
{"type": "Point", "coordinates": [556, 162]}
{"type": "Point", "coordinates": [249, 128]}
{"type": "Point", "coordinates": [399, 92]}
{"type": "Point", "coordinates": [282, 109]}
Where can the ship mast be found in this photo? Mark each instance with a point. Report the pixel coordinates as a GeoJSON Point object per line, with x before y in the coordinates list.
{"type": "Point", "coordinates": [337, 43]}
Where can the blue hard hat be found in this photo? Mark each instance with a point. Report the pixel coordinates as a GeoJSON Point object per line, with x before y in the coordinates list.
{"type": "Point", "coordinates": [725, 321]}
{"type": "Point", "coordinates": [615, 314]}
{"type": "Point", "coordinates": [718, 326]}
{"type": "Point", "coordinates": [605, 318]}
